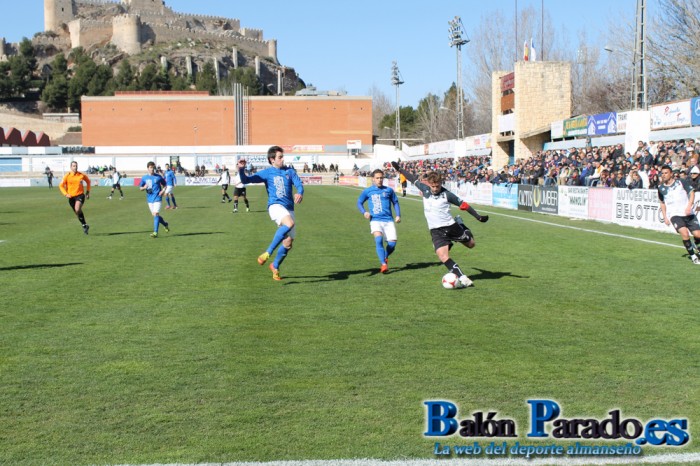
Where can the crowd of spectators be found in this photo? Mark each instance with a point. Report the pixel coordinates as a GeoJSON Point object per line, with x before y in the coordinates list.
{"type": "Point", "coordinates": [607, 166]}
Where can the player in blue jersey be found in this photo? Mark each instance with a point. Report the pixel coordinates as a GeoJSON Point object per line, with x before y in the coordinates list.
{"type": "Point", "coordinates": [154, 185]}
{"type": "Point", "coordinates": [380, 198]}
{"type": "Point", "coordinates": [170, 183]}
{"type": "Point", "coordinates": [279, 181]}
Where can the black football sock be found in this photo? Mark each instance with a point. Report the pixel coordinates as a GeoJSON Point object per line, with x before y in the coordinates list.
{"type": "Point", "coordinates": [688, 247]}
{"type": "Point", "coordinates": [453, 267]}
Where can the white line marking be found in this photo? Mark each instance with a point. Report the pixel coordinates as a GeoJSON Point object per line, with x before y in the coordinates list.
{"type": "Point", "coordinates": [586, 460]}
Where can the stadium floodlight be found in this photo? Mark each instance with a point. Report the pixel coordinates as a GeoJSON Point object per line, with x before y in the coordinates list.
{"type": "Point", "coordinates": [396, 80]}
{"type": "Point", "coordinates": [458, 38]}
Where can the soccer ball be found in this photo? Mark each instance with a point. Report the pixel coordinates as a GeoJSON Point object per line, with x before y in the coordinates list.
{"type": "Point", "coordinates": [451, 281]}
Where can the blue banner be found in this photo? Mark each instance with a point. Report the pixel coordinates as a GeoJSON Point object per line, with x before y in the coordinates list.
{"type": "Point", "coordinates": [505, 195]}
{"type": "Point", "coordinates": [695, 111]}
{"type": "Point", "coordinates": [602, 123]}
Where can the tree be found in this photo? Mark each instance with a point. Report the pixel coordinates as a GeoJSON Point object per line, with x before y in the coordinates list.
{"type": "Point", "coordinates": [492, 49]}
{"type": "Point", "coordinates": [673, 51]}
{"type": "Point", "coordinates": [55, 93]}
{"type": "Point", "coordinates": [206, 79]}
{"type": "Point", "coordinates": [125, 78]}
{"type": "Point", "coordinates": [246, 77]}
{"type": "Point", "coordinates": [180, 83]}
{"type": "Point", "coordinates": [407, 117]}
{"type": "Point", "coordinates": [381, 105]}
{"type": "Point", "coordinates": [147, 80]}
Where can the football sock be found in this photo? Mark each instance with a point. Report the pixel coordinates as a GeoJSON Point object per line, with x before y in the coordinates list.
{"type": "Point", "coordinates": [453, 267]}
{"type": "Point", "coordinates": [156, 222]}
{"type": "Point", "coordinates": [381, 253]}
{"type": "Point", "coordinates": [81, 218]}
{"type": "Point", "coordinates": [277, 239]}
{"type": "Point", "coordinates": [247, 206]}
{"type": "Point", "coordinates": [161, 220]}
{"type": "Point", "coordinates": [688, 246]}
{"type": "Point", "coordinates": [281, 254]}
{"type": "Point", "coordinates": [697, 243]}
{"type": "Point", "coordinates": [235, 205]}
{"type": "Point", "coordinates": [174, 203]}
{"type": "Point", "coordinates": [390, 246]}
{"type": "Point", "coordinates": [167, 199]}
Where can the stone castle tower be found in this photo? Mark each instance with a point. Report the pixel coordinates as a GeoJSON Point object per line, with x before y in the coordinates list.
{"type": "Point", "coordinates": [57, 13]}
{"type": "Point", "coordinates": [129, 24]}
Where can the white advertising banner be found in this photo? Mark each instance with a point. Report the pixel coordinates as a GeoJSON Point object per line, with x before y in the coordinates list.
{"type": "Point", "coordinates": [506, 123]}
{"type": "Point", "coordinates": [484, 194]}
{"type": "Point", "coordinates": [557, 129]}
{"type": "Point", "coordinates": [670, 115]}
{"type": "Point", "coordinates": [573, 201]}
{"type": "Point", "coordinates": [636, 129]}
{"type": "Point", "coordinates": [467, 191]}
{"type": "Point", "coordinates": [638, 208]}
{"type": "Point", "coordinates": [15, 182]}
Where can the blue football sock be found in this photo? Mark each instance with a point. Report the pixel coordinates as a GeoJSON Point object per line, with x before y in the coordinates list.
{"type": "Point", "coordinates": [167, 199]}
{"type": "Point", "coordinates": [156, 222]}
{"type": "Point", "coordinates": [281, 254]}
{"type": "Point", "coordinates": [381, 253]}
{"type": "Point", "coordinates": [390, 246]}
{"type": "Point", "coordinates": [279, 236]}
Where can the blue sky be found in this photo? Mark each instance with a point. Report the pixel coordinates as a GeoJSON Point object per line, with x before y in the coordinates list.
{"type": "Point", "coordinates": [350, 46]}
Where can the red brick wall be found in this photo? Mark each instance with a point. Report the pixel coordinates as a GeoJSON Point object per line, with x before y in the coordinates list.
{"type": "Point", "coordinates": [171, 121]}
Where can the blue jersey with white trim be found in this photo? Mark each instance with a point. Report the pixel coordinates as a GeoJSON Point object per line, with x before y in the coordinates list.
{"type": "Point", "coordinates": [170, 178]}
{"type": "Point", "coordinates": [154, 185]}
{"type": "Point", "coordinates": [379, 201]}
{"type": "Point", "coordinates": [279, 183]}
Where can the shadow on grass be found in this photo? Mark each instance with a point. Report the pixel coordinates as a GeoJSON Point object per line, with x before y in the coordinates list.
{"type": "Point", "coordinates": [39, 266]}
{"type": "Point", "coordinates": [345, 274]}
{"type": "Point", "coordinates": [194, 233]}
{"type": "Point", "coordinates": [490, 275]}
{"type": "Point", "coordinates": [117, 233]}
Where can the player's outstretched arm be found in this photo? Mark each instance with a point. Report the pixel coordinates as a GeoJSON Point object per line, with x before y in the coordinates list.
{"type": "Point", "coordinates": [409, 176]}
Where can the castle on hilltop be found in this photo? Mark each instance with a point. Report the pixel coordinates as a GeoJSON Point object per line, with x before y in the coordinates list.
{"type": "Point", "coordinates": [133, 24]}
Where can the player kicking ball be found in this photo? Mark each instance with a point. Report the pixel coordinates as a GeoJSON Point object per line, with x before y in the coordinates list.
{"type": "Point", "coordinates": [444, 229]}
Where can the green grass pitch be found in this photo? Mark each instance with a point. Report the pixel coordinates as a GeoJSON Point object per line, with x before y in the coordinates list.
{"type": "Point", "coordinates": [119, 348]}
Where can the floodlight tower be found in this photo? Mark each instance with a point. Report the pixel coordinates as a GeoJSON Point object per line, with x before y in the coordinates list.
{"type": "Point", "coordinates": [457, 39]}
{"type": "Point", "coordinates": [397, 81]}
{"type": "Point", "coordinates": [639, 58]}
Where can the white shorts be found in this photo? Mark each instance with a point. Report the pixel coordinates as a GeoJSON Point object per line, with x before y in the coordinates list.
{"type": "Point", "coordinates": [169, 189]}
{"type": "Point", "coordinates": [154, 207]}
{"type": "Point", "coordinates": [388, 229]}
{"type": "Point", "coordinates": [277, 213]}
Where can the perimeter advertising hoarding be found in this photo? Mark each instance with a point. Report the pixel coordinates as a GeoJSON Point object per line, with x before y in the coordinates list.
{"type": "Point", "coordinates": [484, 193]}
{"type": "Point", "coordinates": [557, 129]}
{"type": "Point", "coordinates": [467, 191]}
{"type": "Point", "coordinates": [348, 181]}
{"type": "Point", "coordinates": [576, 126]}
{"type": "Point", "coordinates": [670, 115]}
{"type": "Point", "coordinates": [602, 123]}
{"type": "Point", "coordinates": [506, 196]}
{"type": "Point", "coordinates": [306, 179]}
{"type": "Point", "coordinates": [573, 201]}
{"type": "Point", "coordinates": [600, 206]}
{"type": "Point", "coordinates": [639, 208]}
{"type": "Point", "coordinates": [545, 200]}
{"type": "Point", "coordinates": [525, 197]}
{"type": "Point", "coordinates": [695, 111]}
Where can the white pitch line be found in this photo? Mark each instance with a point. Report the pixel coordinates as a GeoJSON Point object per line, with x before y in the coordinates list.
{"type": "Point", "coordinates": [559, 460]}
{"type": "Point", "coordinates": [587, 230]}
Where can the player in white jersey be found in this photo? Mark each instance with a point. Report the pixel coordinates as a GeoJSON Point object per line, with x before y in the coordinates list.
{"type": "Point", "coordinates": [225, 179]}
{"type": "Point", "coordinates": [239, 191]}
{"type": "Point", "coordinates": [676, 199]}
{"type": "Point", "coordinates": [444, 229]}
